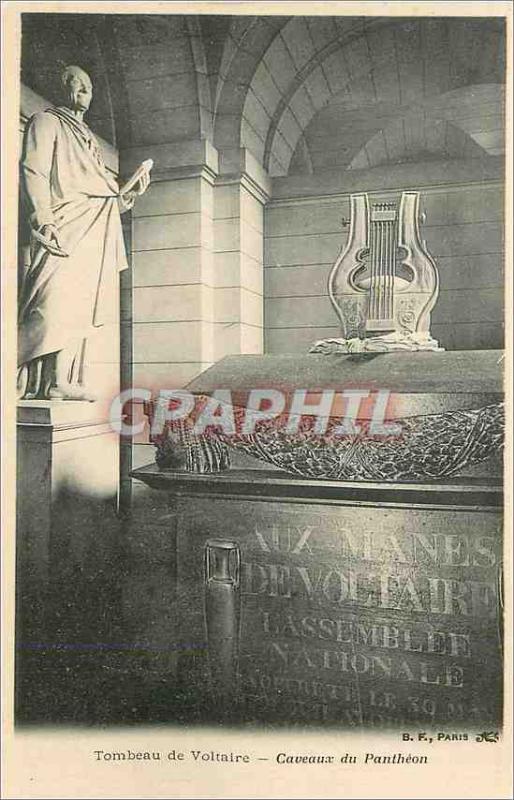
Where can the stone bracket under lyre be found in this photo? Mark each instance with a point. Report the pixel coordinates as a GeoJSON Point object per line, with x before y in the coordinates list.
{"type": "Point", "coordinates": [384, 284]}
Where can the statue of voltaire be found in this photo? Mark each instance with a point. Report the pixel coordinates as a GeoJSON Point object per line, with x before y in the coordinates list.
{"type": "Point", "coordinates": [76, 243]}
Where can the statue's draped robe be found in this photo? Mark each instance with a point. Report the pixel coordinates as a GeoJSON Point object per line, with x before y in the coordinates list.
{"type": "Point", "coordinates": [67, 185]}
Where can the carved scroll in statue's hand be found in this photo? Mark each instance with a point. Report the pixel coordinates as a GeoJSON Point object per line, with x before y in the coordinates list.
{"type": "Point", "coordinates": [140, 180]}
{"type": "Point", "coordinates": [135, 186]}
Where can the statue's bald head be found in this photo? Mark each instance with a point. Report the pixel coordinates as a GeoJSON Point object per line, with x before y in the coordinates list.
{"type": "Point", "coordinates": [77, 88]}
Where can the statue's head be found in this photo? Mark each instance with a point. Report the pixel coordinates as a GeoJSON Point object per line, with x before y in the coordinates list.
{"type": "Point", "coordinates": [77, 88]}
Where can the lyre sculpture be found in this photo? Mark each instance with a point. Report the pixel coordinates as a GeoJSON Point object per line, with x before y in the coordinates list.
{"type": "Point", "coordinates": [384, 284]}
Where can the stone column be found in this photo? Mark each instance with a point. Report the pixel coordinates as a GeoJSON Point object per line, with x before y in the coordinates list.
{"type": "Point", "coordinates": [196, 297]}
{"type": "Point", "coordinates": [241, 191]}
{"type": "Point", "coordinates": [167, 339]}
{"type": "Point", "coordinates": [197, 265]}
{"type": "Point", "coordinates": [170, 312]}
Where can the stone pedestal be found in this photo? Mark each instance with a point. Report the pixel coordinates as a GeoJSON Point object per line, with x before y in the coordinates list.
{"type": "Point", "coordinates": [67, 556]}
{"type": "Point", "coordinates": [68, 475]}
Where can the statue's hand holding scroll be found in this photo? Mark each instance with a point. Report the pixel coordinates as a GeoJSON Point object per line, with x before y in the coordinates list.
{"type": "Point", "coordinates": [126, 201]}
{"type": "Point", "coordinates": [135, 186]}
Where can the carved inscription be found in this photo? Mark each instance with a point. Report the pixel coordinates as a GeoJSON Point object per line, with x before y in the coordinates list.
{"type": "Point", "coordinates": [363, 616]}
{"type": "Point", "coordinates": [353, 581]}
{"type": "Point", "coordinates": [371, 626]}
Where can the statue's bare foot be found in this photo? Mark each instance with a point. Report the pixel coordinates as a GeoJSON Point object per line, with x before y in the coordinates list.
{"type": "Point", "coordinates": [70, 392]}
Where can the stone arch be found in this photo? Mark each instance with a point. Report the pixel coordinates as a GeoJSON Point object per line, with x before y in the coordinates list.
{"type": "Point", "coordinates": [248, 39]}
{"type": "Point", "coordinates": [201, 73]}
{"type": "Point", "coordinates": [440, 128]}
{"type": "Point", "coordinates": [290, 85]}
{"type": "Point", "coordinates": [416, 137]}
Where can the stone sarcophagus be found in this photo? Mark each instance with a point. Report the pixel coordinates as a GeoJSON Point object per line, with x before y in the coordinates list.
{"type": "Point", "coordinates": [369, 416]}
{"type": "Point", "coordinates": [351, 579]}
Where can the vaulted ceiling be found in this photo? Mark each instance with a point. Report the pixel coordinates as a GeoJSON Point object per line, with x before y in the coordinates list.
{"type": "Point", "coordinates": [303, 94]}
{"type": "Point", "coordinates": [351, 85]}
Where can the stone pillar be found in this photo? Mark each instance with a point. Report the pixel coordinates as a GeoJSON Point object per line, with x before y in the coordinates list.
{"type": "Point", "coordinates": [197, 265]}
{"type": "Point", "coordinates": [167, 339]}
{"type": "Point", "coordinates": [196, 297]}
{"type": "Point", "coordinates": [170, 313]}
{"type": "Point", "coordinates": [240, 193]}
